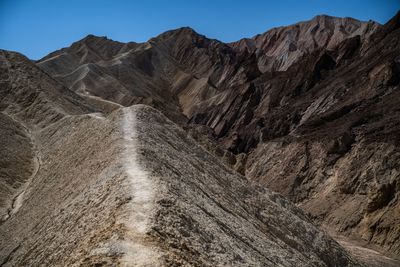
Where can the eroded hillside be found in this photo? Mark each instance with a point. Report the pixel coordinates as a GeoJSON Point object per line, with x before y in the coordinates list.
{"type": "Point", "coordinates": [131, 188]}
{"type": "Point", "coordinates": [308, 110]}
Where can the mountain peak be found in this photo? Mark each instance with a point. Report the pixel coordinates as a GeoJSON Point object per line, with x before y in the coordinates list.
{"type": "Point", "coordinates": [182, 31]}
{"type": "Point", "coordinates": [91, 38]}
{"type": "Point", "coordinates": [186, 29]}
{"type": "Point", "coordinates": [324, 16]}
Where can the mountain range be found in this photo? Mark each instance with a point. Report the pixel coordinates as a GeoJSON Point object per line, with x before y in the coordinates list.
{"type": "Point", "coordinates": [187, 151]}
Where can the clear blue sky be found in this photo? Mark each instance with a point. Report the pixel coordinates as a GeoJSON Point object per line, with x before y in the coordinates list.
{"type": "Point", "coordinates": [38, 27]}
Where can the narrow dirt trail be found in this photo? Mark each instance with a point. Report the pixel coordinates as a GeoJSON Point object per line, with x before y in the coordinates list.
{"type": "Point", "coordinates": [36, 161]}
{"type": "Point", "coordinates": [138, 250]}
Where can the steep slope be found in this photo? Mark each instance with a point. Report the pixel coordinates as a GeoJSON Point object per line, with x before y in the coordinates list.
{"type": "Point", "coordinates": [29, 100]}
{"type": "Point", "coordinates": [17, 163]}
{"type": "Point", "coordinates": [324, 133]}
{"type": "Point", "coordinates": [31, 95]}
{"type": "Point", "coordinates": [338, 158]}
{"type": "Point", "coordinates": [132, 189]}
{"type": "Point", "coordinates": [136, 73]}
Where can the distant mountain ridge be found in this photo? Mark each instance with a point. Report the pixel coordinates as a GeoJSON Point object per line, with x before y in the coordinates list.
{"type": "Point", "coordinates": [278, 48]}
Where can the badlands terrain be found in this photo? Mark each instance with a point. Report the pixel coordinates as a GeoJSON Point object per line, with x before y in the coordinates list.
{"type": "Point", "coordinates": [276, 150]}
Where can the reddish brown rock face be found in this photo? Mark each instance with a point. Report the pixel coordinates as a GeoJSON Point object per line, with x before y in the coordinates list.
{"type": "Point", "coordinates": [309, 110]}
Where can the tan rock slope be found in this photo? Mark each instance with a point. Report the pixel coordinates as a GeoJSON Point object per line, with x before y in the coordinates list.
{"type": "Point", "coordinates": [17, 163]}
{"type": "Point", "coordinates": [29, 101]}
